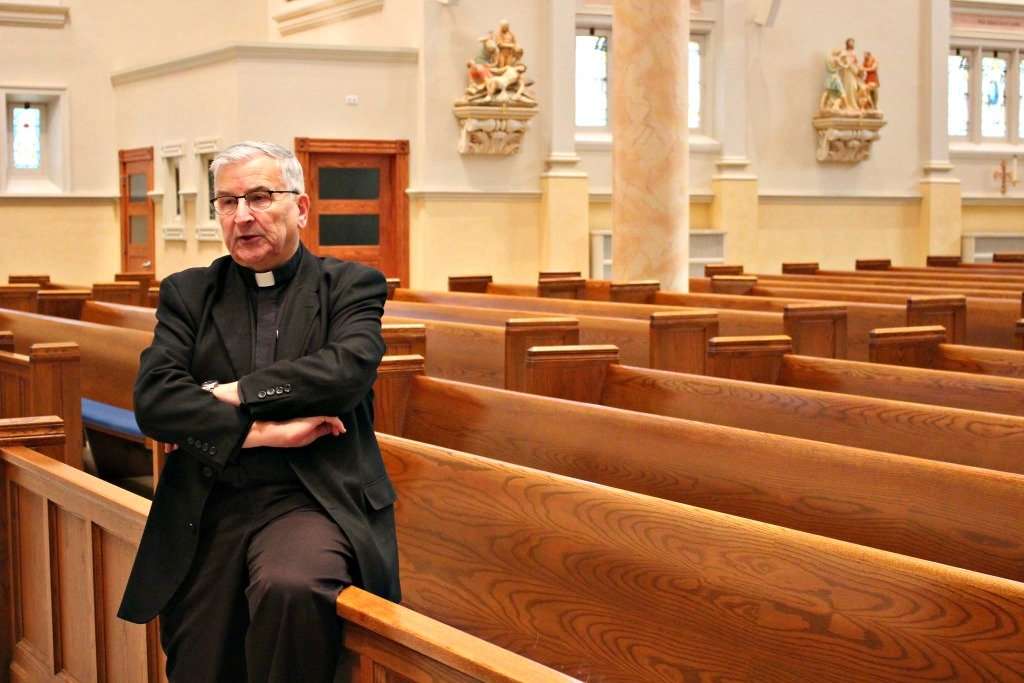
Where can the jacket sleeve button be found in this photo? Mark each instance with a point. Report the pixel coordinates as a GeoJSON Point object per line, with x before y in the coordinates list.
{"type": "Point", "coordinates": [262, 394]}
{"type": "Point", "coordinates": [207, 472]}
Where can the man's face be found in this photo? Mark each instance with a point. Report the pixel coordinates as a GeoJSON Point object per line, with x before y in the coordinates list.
{"type": "Point", "coordinates": [261, 240]}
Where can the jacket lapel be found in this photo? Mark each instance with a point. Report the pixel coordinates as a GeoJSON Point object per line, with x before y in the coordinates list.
{"type": "Point", "coordinates": [232, 317]}
{"type": "Point", "coordinates": [300, 309]}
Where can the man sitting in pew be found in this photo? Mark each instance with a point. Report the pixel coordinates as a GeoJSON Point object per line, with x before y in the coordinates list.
{"type": "Point", "coordinates": [275, 496]}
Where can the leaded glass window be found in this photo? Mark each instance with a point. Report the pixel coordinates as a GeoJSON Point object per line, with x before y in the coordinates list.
{"type": "Point", "coordinates": [693, 97]}
{"type": "Point", "coordinates": [993, 94]}
{"type": "Point", "coordinates": [959, 68]}
{"type": "Point", "coordinates": [592, 81]}
{"type": "Point", "coordinates": [27, 137]}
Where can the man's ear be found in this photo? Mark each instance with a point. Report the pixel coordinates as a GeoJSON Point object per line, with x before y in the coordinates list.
{"type": "Point", "coordinates": [303, 203]}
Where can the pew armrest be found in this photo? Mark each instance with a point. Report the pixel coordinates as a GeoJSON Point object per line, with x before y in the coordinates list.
{"type": "Point", "coordinates": [386, 637]}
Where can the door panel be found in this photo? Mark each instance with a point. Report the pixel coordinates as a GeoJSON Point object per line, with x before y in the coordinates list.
{"type": "Point", "coordinates": [358, 209]}
{"type": "Point", "coordinates": [138, 239]}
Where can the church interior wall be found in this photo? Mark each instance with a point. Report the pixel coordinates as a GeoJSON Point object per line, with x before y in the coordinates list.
{"type": "Point", "coordinates": [835, 231]}
{"type": "Point", "coordinates": [74, 240]}
{"type": "Point", "coordinates": [1004, 217]}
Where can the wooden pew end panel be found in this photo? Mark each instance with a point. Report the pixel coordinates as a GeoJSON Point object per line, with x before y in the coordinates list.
{"type": "Point", "coordinates": [754, 359]}
{"type": "Point", "coordinates": [816, 329]}
{"type": "Point", "coordinates": [943, 261]}
{"type": "Point", "coordinates": [404, 339]}
{"type": "Point", "coordinates": [393, 284]}
{"type": "Point", "coordinates": [634, 292]}
{"type": "Point", "coordinates": [679, 340]}
{"type": "Point", "coordinates": [562, 288]}
{"type": "Point", "coordinates": [733, 284]}
{"type": "Point", "coordinates": [874, 264]}
{"type": "Point", "coordinates": [949, 311]}
{"type": "Point", "coordinates": [391, 391]}
{"type": "Point", "coordinates": [713, 269]}
{"type": "Point", "coordinates": [1019, 334]}
{"type": "Point", "coordinates": [469, 283]}
{"type": "Point", "coordinates": [523, 333]}
{"type": "Point", "coordinates": [912, 346]}
{"type": "Point", "coordinates": [800, 268]}
{"type": "Point", "coordinates": [574, 373]}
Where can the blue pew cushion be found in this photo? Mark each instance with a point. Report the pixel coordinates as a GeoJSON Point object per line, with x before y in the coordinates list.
{"type": "Point", "coordinates": [110, 419]}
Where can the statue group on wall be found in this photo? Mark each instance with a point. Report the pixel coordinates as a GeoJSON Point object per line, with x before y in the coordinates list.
{"type": "Point", "coordinates": [496, 107]}
{"type": "Point", "coordinates": [497, 76]}
{"type": "Point", "coordinates": [848, 118]}
{"type": "Point", "coordinates": [851, 86]}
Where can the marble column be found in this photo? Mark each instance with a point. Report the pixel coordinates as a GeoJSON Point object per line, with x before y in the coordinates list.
{"type": "Point", "coordinates": [734, 207]}
{"type": "Point", "coordinates": [941, 221]}
{"type": "Point", "coordinates": [650, 156]}
{"type": "Point", "coordinates": [565, 200]}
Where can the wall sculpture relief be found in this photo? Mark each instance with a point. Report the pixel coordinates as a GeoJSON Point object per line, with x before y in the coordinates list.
{"type": "Point", "coordinates": [495, 110]}
{"type": "Point", "coordinates": [848, 117]}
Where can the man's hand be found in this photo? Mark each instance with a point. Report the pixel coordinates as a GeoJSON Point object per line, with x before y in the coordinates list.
{"type": "Point", "coordinates": [227, 393]}
{"type": "Point", "coordinates": [294, 433]}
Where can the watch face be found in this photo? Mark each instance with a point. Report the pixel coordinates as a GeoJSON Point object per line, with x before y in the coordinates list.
{"type": "Point", "coordinates": [210, 384]}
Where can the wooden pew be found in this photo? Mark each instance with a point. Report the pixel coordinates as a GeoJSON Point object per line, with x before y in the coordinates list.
{"type": "Point", "coordinates": [42, 280]}
{"type": "Point", "coordinates": [1008, 257]}
{"type": "Point", "coordinates": [816, 328]}
{"type": "Point", "coordinates": [989, 322]}
{"type": "Point", "coordinates": [19, 297]}
{"type": "Point", "coordinates": [926, 347]}
{"type": "Point", "coordinates": [815, 333]}
{"type": "Point", "coordinates": [592, 374]}
{"type": "Point", "coordinates": [45, 381]}
{"type": "Point", "coordinates": [1019, 333]}
{"type": "Point", "coordinates": [73, 539]}
{"type": "Point", "coordinates": [63, 303]}
{"type": "Point", "coordinates": [118, 292]}
{"type": "Point", "coordinates": [119, 315]}
{"type": "Point", "coordinates": [656, 589]}
{"type": "Point", "coordinates": [903, 504]}
{"type": "Point", "coordinates": [669, 339]}
{"type": "Point", "coordinates": [924, 276]}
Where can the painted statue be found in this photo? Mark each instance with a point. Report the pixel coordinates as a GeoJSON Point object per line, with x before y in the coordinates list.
{"type": "Point", "coordinates": [870, 67]}
{"type": "Point", "coordinates": [851, 86]}
{"type": "Point", "coordinates": [497, 76]}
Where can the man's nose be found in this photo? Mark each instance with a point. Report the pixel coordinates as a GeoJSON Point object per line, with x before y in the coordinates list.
{"type": "Point", "coordinates": [242, 212]}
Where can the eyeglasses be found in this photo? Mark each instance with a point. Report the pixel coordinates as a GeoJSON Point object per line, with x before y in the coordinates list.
{"type": "Point", "coordinates": [256, 200]}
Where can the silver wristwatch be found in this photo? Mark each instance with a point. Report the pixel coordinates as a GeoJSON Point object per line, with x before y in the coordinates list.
{"type": "Point", "coordinates": [210, 385]}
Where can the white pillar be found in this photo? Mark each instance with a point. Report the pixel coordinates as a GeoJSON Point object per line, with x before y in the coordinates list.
{"type": "Point", "coordinates": [650, 130]}
{"type": "Point", "coordinates": [941, 222]}
{"type": "Point", "coordinates": [565, 209]}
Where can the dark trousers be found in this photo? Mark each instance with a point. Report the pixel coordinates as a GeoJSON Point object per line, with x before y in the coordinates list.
{"type": "Point", "coordinates": [258, 604]}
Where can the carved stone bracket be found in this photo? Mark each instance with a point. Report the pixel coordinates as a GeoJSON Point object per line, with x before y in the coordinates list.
{"type": "Point", "coordinates": [492, 130]}
{"type": "Point", "coordinates": [846, 139]}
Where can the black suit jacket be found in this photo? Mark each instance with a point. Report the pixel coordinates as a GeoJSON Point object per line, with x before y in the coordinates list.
{"type": "Point", "coordinates": [328, 351]}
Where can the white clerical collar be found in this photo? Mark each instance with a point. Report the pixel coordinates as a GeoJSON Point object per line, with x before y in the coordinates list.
{"type": "Point", "coordinates": [265, 279]}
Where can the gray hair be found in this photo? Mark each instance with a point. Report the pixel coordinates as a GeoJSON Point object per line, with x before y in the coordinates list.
{"type": "Point", "coordinates": [291, 170]}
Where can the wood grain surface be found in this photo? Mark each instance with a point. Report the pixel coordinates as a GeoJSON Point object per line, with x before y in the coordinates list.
{"type": "Point", "coordinates": [611, 586]}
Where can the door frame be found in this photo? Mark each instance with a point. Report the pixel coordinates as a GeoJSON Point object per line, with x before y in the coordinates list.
{"type": "Point", "coordinates": [398, 150]}
{"type": "Point", "coordinates": [126, 156]}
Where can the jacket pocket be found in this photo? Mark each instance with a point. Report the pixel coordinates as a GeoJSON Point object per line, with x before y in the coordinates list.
{"type": "Point", "coordinates": [379, 493]}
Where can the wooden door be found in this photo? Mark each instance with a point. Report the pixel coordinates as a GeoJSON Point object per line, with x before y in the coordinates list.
{"type": "Point", "coordinates": [138, 235]}
{"type": "Point", "coordinates": [358, 207]}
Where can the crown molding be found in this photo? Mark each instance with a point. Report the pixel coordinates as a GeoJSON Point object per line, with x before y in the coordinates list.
{"type": "Point", "coordinates": [34, 14]}
{"type": "Point", "coordinates": [302, 15]}
{"type": "Point", "coordinates": [278, 51]}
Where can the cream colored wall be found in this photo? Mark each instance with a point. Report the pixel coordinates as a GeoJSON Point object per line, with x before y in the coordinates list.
{"type": "Point", "coordinates": [835, 232]}
{"type": "Point", "coordinates": [72, 241]}
{"type": "Point", "coordinates": [601, 215]}
{"type": "Point", "coordinates": [993, 217]}
{"type": "Point", "coordinates": [469, 236]}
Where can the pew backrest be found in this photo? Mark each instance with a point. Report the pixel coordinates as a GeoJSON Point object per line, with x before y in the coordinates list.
{"type": "Point", "coordinates": [604, 584]}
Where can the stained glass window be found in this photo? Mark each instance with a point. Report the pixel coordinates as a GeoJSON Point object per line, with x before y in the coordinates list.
{"type": "Point", "coordinates": [27, 141]}
{"type": "Point", "coordinates": [993, 95]}
{"type": "Point", "coordinates": [959, 68]}
{"type": "Point", "coordinates": [592, 81]}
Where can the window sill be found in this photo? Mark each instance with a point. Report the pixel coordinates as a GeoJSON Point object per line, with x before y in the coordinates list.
{"type": "Point", "coordinates": [601, 141]}
{"type": "Point", "coordinates": [985, 150]}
